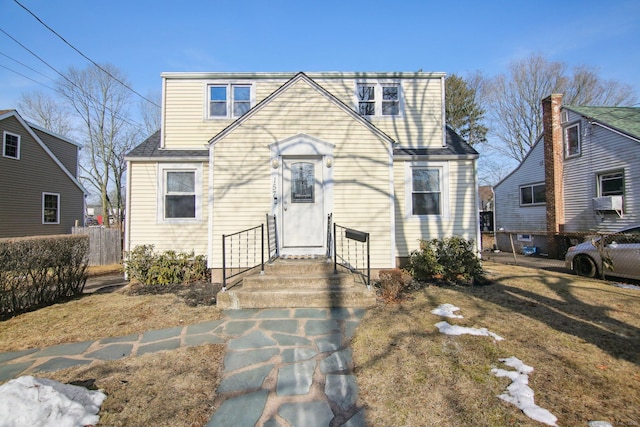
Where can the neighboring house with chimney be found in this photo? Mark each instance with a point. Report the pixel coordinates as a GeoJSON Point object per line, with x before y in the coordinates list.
{"type": "Point", "coordinates": [581, 175]}
{"type": "Point", "coordinates": [371, 151]}
{"type": "Point", "coordinates": [39, 189]}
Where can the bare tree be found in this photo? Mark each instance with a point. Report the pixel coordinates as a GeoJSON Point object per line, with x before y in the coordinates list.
{"type": "Point", "coordinates": [47, 112]}
{"type": "Point", "coordinates": [101, 104]}
{"type": "Point", "coordinates": [151, 113]}
{"type": "Point", "coordinates": [514, 99]}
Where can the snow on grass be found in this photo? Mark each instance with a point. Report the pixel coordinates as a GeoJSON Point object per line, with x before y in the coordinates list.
{"type": "Point", "coordinates": [447, 310]}
{"type": "Point", "coordinates": [39, 402]}
{"type": "Point", "coordinates": [448, 329]}
{"type": "Point", "coordinates": [520, 394]}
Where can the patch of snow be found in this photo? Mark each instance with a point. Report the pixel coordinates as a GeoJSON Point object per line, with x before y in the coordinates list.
{"type": "Point", "coordinates": [447, 310]}
{"type": "Point", "coordinates": [40, 402]}
{"type": "Point", "coordinates": [520, 394]}
{"type": "Point", "coordinates": [600, 424]}
{"type": "Point", "coordinates": [626, 286]}
{"type": "Point", "coordinates": [448, 329]}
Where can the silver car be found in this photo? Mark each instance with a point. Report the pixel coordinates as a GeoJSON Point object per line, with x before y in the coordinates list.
{"type": "Point", "coordinates": [621, 250]}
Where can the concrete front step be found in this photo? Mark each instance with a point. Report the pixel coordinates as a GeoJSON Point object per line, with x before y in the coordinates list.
{"type": "Point", "coordinates": [334, 296]}
{"type": "Point", "coordinates": [269, 281]}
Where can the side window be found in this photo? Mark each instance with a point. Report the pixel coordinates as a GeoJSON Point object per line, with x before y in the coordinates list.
{"type": "Point", "coordinates": [426, 192]}
{"type": "Point", "coordinates": [572, 140]}
{"type": "Point", "coordinates": [611, 184]}
{"type": "Point", "coordinates": [179, 193]}
{"type": "Point", "coordinates": [533, 194]}
{"type": "Point", "coordinates": [11, 145]}
{"type": "Point", "coordinates": [50, 208]}
{"type": "Point", "coordinates": [366, 99]}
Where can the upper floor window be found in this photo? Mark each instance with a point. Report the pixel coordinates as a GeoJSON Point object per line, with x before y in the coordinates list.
{"type": "Point", "coordinates": [229, 100]}
{"type": "Point", "coordinates": [611, 184]}
{"type": "Point", "coordinates": [534, 194]}
{"type": "Point", "coordinates": [572, 140]}
{"type": "Point", "coordinates": [50, 208]}
{"type": "Point", "coordinates": [378, 99]}
{"type": "Point", "coordinates": [11, 145]}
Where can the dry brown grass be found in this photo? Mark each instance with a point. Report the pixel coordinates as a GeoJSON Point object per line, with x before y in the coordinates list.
{"type": "Point", "coordinates": [99, 316]}
{"type": "Point", "coordinates": [170, 388]}
{"type": "Point", "coordinates": [581, 336]}
{"type": "Point", "coordinates": [100, 270]}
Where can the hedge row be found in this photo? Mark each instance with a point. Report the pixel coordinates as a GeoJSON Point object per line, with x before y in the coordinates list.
{"type": "Point", "coordinates": [41, 270]}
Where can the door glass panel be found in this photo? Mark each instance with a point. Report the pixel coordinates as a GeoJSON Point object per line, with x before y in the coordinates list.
{"type": "Point", "coordinates": [302, 182]}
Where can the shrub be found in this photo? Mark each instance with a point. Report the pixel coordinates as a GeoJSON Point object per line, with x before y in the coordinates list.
{"type": "Point", "coordinates": [166, 268]}
{"type": "Point", "coordinates": [453, 259]}
{"type": "Point", "coordinates": [423, 263]}
{"type": "Point", "coordinates": [393, 284]}
{"type": "Point", "coordinates": [38, 271]}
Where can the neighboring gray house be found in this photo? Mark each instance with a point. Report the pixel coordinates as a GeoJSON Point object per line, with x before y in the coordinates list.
{"type": "Point", "coordinates": [582, 175]}
{"type": "Point", "coordinates": [39, 190]}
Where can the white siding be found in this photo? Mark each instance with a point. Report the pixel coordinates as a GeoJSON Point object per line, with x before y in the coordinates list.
{"type": "Point", "coordinates": [509, 215]}
{"type": "Point", "coordinates": [462, 219]}
{"type": "Point", "coordinates": [602, 151]}
{"type": "Point", "coordinates": [144, 228]}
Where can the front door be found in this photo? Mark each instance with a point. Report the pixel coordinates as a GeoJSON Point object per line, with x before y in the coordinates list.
{"type": "Point", "coordinates": [302, 206]}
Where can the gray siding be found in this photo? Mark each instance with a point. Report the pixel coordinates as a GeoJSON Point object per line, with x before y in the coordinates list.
{"type": "Point", "coordinates": [509, 215]}
{"type": "Point", "coordinates": [66, 152]}
{"type": "Point", "coordinates": [22, 183]}
{"type": "Point", "coordinates": [602, 151]}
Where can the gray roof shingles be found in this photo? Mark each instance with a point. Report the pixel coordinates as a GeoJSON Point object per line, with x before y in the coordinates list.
{"type": "Point", "coordinates": [456, 146]}
{"type": "Point", "coordinates": [150, 148]}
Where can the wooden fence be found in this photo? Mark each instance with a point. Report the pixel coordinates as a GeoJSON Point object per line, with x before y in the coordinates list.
{"type": "Point", "coordinates": [105, 244]}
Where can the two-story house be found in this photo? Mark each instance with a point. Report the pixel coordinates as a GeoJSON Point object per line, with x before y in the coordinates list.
{"type": "Point", "coordinates": [582, 175]}
{"type": "Point", "coordinates": [39, 190]}
{"type": "Point", "coordinates": [372, 149]}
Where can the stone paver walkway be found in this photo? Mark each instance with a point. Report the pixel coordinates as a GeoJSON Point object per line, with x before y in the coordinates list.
{"type": "Point", "coordinates": [282, 368]}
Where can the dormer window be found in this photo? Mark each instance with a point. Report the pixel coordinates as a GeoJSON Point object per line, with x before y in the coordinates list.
{"type": "Point", "coordinates": [378, 99]}
{"type": "Point", "coordinates": [229, 100]}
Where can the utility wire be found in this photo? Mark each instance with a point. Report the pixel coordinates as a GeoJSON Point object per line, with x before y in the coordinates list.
{"type": "Point", "coordinates": [26, 77]}
{"type": "Point", "coordinates": [26, 66]}
{"type": "Point", "coordinates": [85, 93]}
{"type": "Point", "coordinates": [85, 56]}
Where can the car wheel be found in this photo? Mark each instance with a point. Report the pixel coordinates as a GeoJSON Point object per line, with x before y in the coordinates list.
{"type": "Point", "coordinates": [584, 266]}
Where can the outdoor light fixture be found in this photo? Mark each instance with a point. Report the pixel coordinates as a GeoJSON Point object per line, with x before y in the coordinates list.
{"type": "Point", "coordinates": [275, 163]}
{"type": "Point", "coordinates": [329, 162]}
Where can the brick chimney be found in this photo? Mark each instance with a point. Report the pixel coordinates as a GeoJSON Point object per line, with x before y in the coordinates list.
{"type": "Point", "coordinates": [553, 166]}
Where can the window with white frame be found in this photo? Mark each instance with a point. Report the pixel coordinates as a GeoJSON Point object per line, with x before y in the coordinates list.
{"type": "Point", "coordinates": [180, 193]}
{"type": "Point", "coordinates": [50, 208]}
{"type": "Point", "coordinates": [533, 194]}
{"type": "Point", "coordinates": [378, 99]}
{"type": "Point", "coordinates": [611, 184]}
{"type": "Point", "coordinates": [425, 193]}
{"type": "Point", "coordinates": [229, 100]}
{"type": "Point", "coordinates": [11, 145]}
{"type": "Point", "coordinates": [572, 140]}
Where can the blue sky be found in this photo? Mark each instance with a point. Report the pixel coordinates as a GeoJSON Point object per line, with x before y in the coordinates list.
{"type": "Point", "coordinates": [144, 38]}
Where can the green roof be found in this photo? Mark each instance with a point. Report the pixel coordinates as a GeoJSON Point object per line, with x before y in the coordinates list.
{"type": "Point", "coordinates": [623, 119]}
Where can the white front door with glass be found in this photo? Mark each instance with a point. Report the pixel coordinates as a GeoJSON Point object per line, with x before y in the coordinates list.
{"type": "Point", "coordinates": [302, 207]}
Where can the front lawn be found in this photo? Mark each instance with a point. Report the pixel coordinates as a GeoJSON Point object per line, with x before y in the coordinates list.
{"type": "Point", "coordinates": [582, 337]}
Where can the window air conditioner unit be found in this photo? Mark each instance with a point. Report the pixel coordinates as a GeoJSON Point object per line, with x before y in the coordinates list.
{"type": "Point", "coordinates": [608, 203]}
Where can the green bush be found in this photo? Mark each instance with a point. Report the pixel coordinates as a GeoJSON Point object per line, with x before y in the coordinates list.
{"type": "Point", "coordinates": [166, 268]}
{"type": "Point", "coordinates": [453, 259]}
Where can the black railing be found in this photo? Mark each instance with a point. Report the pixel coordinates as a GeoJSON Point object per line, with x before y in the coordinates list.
{"type": "Point", "coordinates": [329, 236]}
{"type": "Point", "coordinates": [351, 250]}
{"type": "Point", "coordinates": [272, 239]}
{"type": "Point", "coordinates": [241, 252]}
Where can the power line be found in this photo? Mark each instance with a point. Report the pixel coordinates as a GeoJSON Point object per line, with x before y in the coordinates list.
{"type": "Point", "coordinates": [26, 66]}
{"type": "Point", "coordinates": [26, 77]}
{"type": "Point", "coordinates": [85, 56]}
{"type": "Point", "coordinates": [115, 113]}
